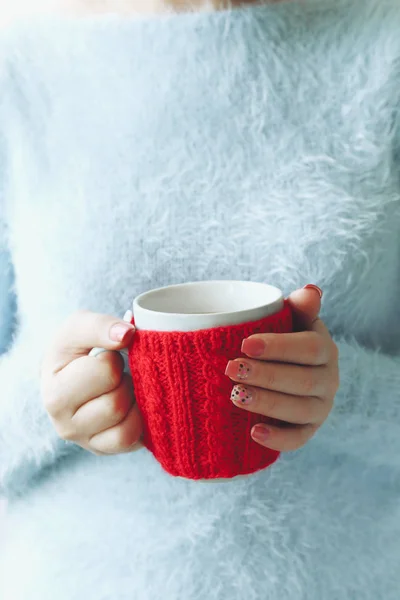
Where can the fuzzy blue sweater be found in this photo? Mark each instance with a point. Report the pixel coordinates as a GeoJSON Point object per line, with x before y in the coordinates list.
{"type": "Point", "coordinates": [261, 143]}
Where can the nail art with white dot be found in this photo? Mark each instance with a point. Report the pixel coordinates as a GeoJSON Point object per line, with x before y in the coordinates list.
{"type": "Point", "coordinates": [243, 371]}
{"type": "Point", "coordinates": [241, 395]}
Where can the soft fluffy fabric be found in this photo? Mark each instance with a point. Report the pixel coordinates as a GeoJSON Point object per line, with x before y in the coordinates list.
{"type": "Point", "coordinates": [6, 301]}
{"type": "Point", "coordinates": [257, 144]}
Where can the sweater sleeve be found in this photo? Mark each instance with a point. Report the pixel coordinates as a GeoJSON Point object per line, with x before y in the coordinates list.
{"type": "Point", "coordinates": [365, 420]}
{"type": "Point", "coordinates": [28, 442]}
{"type": "Point", "coordinates": [7, 296]}
{"type": "Point", "coordinates": [7, 299]}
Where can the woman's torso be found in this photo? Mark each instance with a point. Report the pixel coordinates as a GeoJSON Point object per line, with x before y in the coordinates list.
{"type": "Point", "coordinates": [258, 145]}
{"type": "Point", "coordinates": [229, 147]}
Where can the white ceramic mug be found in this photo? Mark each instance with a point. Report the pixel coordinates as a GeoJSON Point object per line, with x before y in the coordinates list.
{"type": "Point", "coordinates": [205, 304]}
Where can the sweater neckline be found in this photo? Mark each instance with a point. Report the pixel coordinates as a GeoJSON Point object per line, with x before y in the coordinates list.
{"type": "Point", "coordinates": [194, 20]}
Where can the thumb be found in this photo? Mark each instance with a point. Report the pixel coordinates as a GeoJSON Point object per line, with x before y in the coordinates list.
{"type": "Point", "coordinates": [306, 305]}
{"type": "Point", "coordinates": [84, 331]}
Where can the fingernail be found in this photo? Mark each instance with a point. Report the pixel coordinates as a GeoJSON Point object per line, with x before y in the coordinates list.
{"type": "Point", "coordinates": [253, 346]}
{"type": "Point", "coordinates": [128, 316]}
{"type": "Point", "coordinates": [238, 369]}
{"type": "Point", "coordinates": [260, 433]}
{"type": "Point", "coordinates": [119, 332]}
{"type": "Point", "coordinates": [241, 395]}
{"type": "Point", "coordinates": [311, 286]}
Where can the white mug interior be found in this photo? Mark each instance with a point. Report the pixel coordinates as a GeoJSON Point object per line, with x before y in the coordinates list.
{"type": "Point", "coordinates": [205, 304]}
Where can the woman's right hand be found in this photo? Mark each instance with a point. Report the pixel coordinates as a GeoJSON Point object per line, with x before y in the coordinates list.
{"type": "Point", "coordinates": [90, 399]}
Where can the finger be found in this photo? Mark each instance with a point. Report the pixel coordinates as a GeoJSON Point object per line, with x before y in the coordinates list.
{"type": "Point", "coordinates": [282, 439]}
{"type": "Point", "coordinates": [82, 380]}
{"type": "Point", "coordinates": [128, 316]}
{"type": "Point", "coordinates": [83, 331]}
{"type": "Point", "coordinates": [306, 305]}
{"type": "Point", "coordinates": [105, 411]}
{"type": "Point", "coordinates": [299, 410]}
{"type": "Point", "coordinates": [280, 377]}
{"type": "Point", "coordinates": [302, 348]}
{"type": "Point", "coordinates": [121, 438]}
{"type": "Point", "coordinates": [321, 329]}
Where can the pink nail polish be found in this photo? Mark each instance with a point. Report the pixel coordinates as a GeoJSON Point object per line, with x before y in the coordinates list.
{"type": "Point", "coordinates": [241, 395]}
{"type": "Point", "coordinates": [260, 433]}
{"type": "Point", "coordinates": [119, 331]}
{"type": "Point", "coordinates": [253, 346]}
{"type": "Point", "coordinates": [311, 286]}
{"type": "Point", "coordinates": [238, 369]}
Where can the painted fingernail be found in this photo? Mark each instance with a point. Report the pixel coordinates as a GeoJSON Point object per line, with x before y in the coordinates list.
{"type": "Point", "coordinates": [238, 369]}
{"type": "Point", "coordinates": [311, 286]}
{"type": "Point", "coordinates": [260, 433]}
{"type": "Point", "coordinates": [241, 395]}
{"type": "Point", "coordinates": [119, 332]}
{"type": "Point", "coordinates": [253, 346]}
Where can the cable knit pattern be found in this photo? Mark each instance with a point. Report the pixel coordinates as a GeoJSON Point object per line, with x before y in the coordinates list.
{"type": "Point", "coordinates": [190, 424]}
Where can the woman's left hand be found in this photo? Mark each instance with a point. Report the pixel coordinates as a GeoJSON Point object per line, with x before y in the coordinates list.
{"type": "Point", "coordinates": [289, 377]}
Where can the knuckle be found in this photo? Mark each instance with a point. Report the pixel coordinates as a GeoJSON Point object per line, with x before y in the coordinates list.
{"type": "Point", "coordinates": [62, 333]}
{"type": "Point", "coordinates": [77, 314]}
{"type": "Point", "coordinates": [306, 410]}
{"type": "Point", "coordinates": [96, 445]}
{"type": "Point", "coordinates": [98, 320]}
{"type": "Point", "coordinates": [117, 443]}
{"type": "Point", "coordinates": [309, 383]}
{"type": "Point", "coordinates": [108, 411]}
{"type": "Point", "coordinates": [270, 404]}
{"type": "Point", "coordinates": [66, 432]}
{"type": "Point", "coordinates": [128, 437]}
{"type": "Point", "coordinates": [50, 405]}
{"type": "Point", "coordinates": [280, 347]}
{"type": "Point", "coordinates": [112, 374]}
{"type": "Point", "coordinates": [114, 444]}
{"type": "Point", "coordinates": [75, 317]}
{"type": "Point", "coordinates": [315, 347]}
{"type": "Point", "coordinates": [53, 403]}
{"type": "Point", "coordinates": [127, 440]}
{"type": "Point", "coordinates": [270, 377]}
{"type": "Point", "coordinates": [119, 413]}
{"type": "Point", "coordinates": [116, 409]}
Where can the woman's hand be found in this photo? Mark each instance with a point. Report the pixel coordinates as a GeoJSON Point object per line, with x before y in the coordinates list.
{"type": "Point", "coordinates": [90, 399]}
{"type": "Point", "coordinates": [289, 377]}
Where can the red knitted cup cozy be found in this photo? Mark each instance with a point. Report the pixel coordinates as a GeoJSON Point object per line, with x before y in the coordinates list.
{"type": "Point", "coordinates": [190, 424]}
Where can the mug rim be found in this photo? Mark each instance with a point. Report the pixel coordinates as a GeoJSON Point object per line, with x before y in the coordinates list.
{"type": "Point", "coordinates": [206, 320]}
